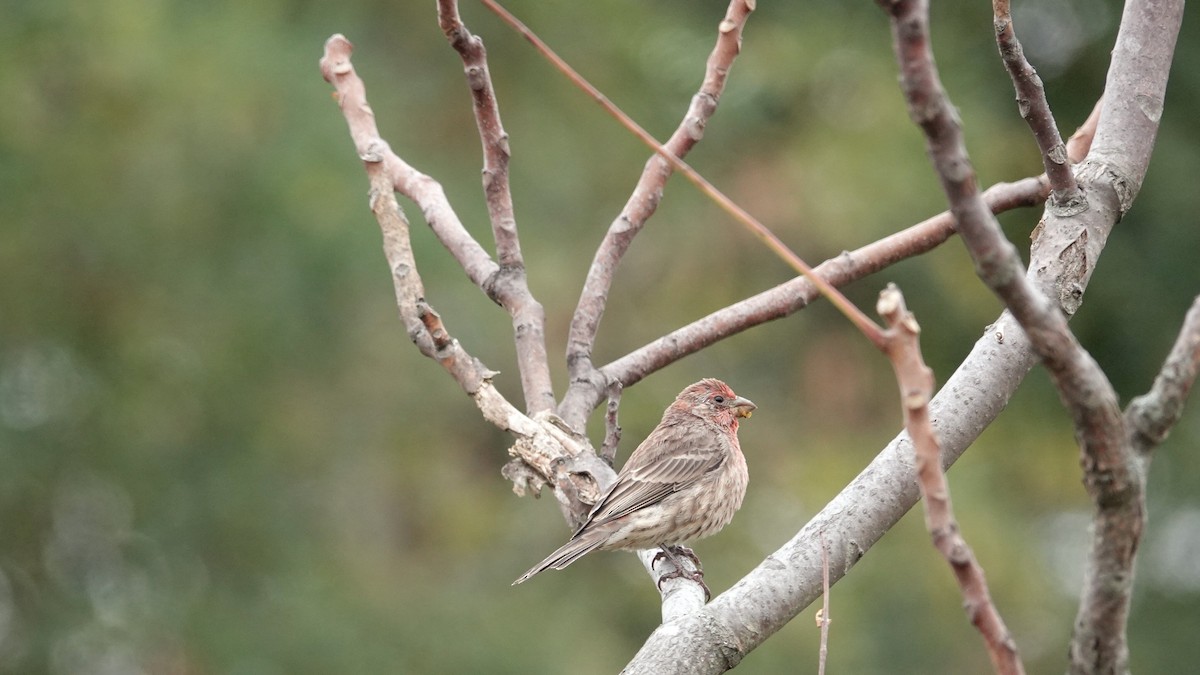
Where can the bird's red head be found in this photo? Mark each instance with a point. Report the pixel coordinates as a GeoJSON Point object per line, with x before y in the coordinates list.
{"type": "Point", "coordinates": [713, 400]}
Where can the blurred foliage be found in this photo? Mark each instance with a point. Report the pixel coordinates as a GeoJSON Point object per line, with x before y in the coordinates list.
{"type": "Point", "coordinates": [219, 452]}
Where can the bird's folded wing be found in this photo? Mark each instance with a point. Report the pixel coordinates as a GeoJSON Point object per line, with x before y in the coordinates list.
{"type": "Point", "coordinates": [646, 484]}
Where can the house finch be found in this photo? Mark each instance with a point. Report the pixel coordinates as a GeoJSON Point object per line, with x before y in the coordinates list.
{"type": "Point", "coordinates": [684, 482]}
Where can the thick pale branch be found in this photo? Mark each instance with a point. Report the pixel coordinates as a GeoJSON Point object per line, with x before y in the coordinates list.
{"type": "Point", "coordinates": [1135, 91]}
{"type": "Point", "coordinates": [1034, 108]}
{"type": "Point", "coordinates": [715, 638]}
{"type": "Point", "coordinates": [510, 287]}
{"type": "Point", "coordinates": [916, 388]}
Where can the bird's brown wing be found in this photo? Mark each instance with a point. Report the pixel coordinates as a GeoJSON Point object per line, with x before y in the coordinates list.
{"type": "Point", "coordinates": [645, 481]}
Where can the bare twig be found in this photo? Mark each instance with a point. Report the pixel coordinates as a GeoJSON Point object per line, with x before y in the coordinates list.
{"type": "Point", "coordinates": [423, 324]}
{"type": "Point", "coordinates": [916, 389]}
{"type": "Point", "coordinates": [1151, 416]}
{"type": "Point", "coordinates": [510, 287]}
{"type": "Point", "coordinates": [1035, 110]}
{"type": "Point", "coordinates": [612, 430]}
{"type": "Point", "coordinates": [496, 151]}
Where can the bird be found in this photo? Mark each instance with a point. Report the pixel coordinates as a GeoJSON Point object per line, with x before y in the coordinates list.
{"type": "Point", "coordinates": [684, 482]}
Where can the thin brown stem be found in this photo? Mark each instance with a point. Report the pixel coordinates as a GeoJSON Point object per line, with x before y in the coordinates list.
{"type": "Point", "coordinates": [916, 389]}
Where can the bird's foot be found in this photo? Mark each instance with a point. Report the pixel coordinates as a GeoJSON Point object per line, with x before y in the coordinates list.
{"type": "Point", "coordinates": [685, 551]}
{"type": "Point", "coordinates": [672, 554]}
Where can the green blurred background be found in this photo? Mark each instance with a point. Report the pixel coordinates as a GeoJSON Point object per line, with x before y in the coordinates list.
{"type": "Point", "coordinates": [219, 452]}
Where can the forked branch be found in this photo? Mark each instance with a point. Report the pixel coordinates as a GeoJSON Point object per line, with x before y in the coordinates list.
{"type": "Point", "coordinates": [1035, 110]}
{"type": "Point", "coordinates": [510, 286]}
{"type": "Point", "coordinates": [559, 457]}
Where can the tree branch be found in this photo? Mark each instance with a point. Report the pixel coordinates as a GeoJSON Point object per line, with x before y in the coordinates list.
{"type": "Point", "coordinates": [509, 287]}
{"type": "Point", "coordinates": [1151, 416]}
{"type": "Point", "coordinates": [558, 455]}
{"type": "Point", "coordinates": [574, 413]}
{"type": "Point", "coordinates": [1111, 473]}
{"type": "Point", "coordinates": [426, 192]}
{"type": "Point", "coordinates": [823, 617]}
{"type": "Point", "coordinates": [1062, 261]}
{"type": "Point", "coordinates": [795, 294]}
{"type": "Point", "coordinates": [423, 324]}
{"type": "Point", "coordinates": [612, 430]}
{"type": "Point", "coordinates": [916, 388]}
{"type": "Point", "coordinates": [1035, 110]}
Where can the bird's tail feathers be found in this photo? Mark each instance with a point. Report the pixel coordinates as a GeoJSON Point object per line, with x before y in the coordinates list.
{"type": "Point", "coordinates": [566, 554]}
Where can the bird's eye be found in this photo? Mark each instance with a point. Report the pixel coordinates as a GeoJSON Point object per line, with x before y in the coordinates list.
{"type": "Point", "coordinates": [718, 399]}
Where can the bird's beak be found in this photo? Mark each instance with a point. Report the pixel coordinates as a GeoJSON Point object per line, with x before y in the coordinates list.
{"type": "Point", "coordinates": [742, 407]}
